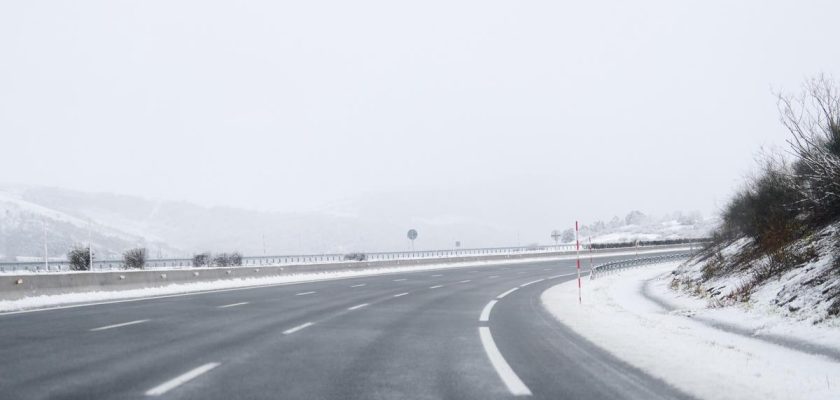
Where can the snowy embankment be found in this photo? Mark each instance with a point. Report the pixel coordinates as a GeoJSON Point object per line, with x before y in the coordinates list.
{"type": "Point", "coordinates": [801, 281]}
{"type": "Point", "coordinates": [637, 317]}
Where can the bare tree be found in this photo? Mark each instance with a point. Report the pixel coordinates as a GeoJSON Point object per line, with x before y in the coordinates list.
{"type": "Point", "coordinates": [813, 119]}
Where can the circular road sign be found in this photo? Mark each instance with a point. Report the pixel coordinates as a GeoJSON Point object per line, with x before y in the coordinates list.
{"type": "Point", "coordinates": [412, 234]}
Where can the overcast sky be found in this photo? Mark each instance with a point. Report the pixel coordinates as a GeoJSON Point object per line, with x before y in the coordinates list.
{"type": "Point", "coordinates": [286, 106]}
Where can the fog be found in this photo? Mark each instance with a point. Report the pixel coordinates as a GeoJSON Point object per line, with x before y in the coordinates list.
{"type": "Point", "coordinates": [541, 112]}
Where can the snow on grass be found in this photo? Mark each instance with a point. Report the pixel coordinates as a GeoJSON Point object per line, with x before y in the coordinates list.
{"type": "Point", "coordinates": [35, 302]}
{"type": "Point", "coordinates": [698, 359]}
{"type": "Point", "coordinates": [803, 292]}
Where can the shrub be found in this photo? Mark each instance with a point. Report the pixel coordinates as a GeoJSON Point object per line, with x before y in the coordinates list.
{"type": "Point", "coordinates": [355, 257]}
{"type": "Point", "coordinates": [765, 209]}
{"type": "Point", "coordinates": [135, 258]}
{"type": "Point", "coordinates": [235, 259]}
{"type": "Point", "coordinates": [201, 260]}
{"type": "Point", "coordinates": [222, 260]}
{"type": "Point", "coordinates": [79, 259]}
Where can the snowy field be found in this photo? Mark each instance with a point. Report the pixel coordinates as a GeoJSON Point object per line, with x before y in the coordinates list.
{"type": "Point", "coordinates": [704, 361]}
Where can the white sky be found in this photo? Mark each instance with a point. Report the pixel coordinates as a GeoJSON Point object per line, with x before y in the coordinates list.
{"type": "Point", "coordinates": [655, 105]}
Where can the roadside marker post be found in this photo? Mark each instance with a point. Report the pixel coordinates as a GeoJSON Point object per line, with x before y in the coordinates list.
{"type": "Point", "coordinates": [577, 253]}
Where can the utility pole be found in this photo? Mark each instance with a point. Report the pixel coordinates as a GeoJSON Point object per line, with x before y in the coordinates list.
{"type": "Point", "coordinates": [90, 248]}
{"type": "Point", "coordinates": [46, 254]}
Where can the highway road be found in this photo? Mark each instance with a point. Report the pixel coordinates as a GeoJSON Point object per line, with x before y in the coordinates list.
{"type": "Point", "coordinates": [458, 333]}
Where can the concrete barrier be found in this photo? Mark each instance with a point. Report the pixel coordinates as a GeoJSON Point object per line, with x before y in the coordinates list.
{"type": "Point", "coordinates": [13, 287]}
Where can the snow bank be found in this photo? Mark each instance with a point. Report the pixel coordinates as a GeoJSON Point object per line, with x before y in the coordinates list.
{"type": "Point", "coordinates": [694, 357]}
{"type": "Point", "coordinates": [732, 275]}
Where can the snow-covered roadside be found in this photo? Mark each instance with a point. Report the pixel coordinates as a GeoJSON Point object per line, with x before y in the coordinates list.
{"type": "Point", "coordinates": [36, 302]}
{"type": "Point", "coordinates": [703, 361]}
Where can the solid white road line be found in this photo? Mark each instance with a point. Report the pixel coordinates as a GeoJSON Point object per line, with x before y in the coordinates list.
{"type": "Point", "coordinates": [304, 293]}
{"type": "Point", "coordinates": [466, 281]}
{"type": "Point", "coordinates": [401, 294]}
{"type": "Point", "coordinates": [102, 328]}
{"type": "Point", "coordinates": [485, 313]}
{"type": "Point", "coordinates": [357, 307]}
{"type": "Point", "coordinates": [297, 328]}
{"type": "Point", "coordinates": [561, 275]}
{"type": "Point", "coordinates": [435, 286]}
{"type": "Point", "coordinates": [531, 283]}
{"type": "Point", "coordinates": [181, 379]}
{"type": "Point", "coordinates": [509, 378]}
{"type": "Point", "coordinates": [359, 285]}
{"type": "Point", "coordinates": [234, 304]}
{"type": "Point", "coordinates": [399, 280]}
{"type": "Point", "coordinates": [506, 293]}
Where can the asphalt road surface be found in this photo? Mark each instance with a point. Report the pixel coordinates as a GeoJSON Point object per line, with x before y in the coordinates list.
{"type": "Point", "coordinates": [458, 333]}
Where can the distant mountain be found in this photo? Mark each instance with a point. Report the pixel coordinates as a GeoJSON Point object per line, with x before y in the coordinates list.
{"type": "Point", "coordinates": [376, 222]}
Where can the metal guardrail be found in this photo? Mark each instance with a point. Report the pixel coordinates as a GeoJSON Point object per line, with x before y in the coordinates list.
{"type": "Point", "coordinates": [252, 261]}
{"type": "Point", "coordinates": [615, 266]}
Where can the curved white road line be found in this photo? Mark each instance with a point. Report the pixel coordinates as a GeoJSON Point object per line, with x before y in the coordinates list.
{"type": "Point", "coordinates": [509, 378]}
{"type": "Point", "coordinates": [485, 313]}
{"type": "Point", "coordinates": [531, 283]}
{"type": "Point", "coordinates": [506, 293]}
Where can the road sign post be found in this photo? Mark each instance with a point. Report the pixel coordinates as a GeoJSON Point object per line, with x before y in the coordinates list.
{"type": "Point", "coordinates": [412, 234]}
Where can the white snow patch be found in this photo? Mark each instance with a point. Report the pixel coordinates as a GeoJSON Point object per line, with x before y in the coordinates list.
{"type": "Point", "coordinates": [702, 361]}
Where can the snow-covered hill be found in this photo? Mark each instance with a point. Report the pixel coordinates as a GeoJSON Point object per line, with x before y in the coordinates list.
{"type": "Point", "coordinates": [636, 226]}
{"type": "Point", "coordinates": [376, 222]}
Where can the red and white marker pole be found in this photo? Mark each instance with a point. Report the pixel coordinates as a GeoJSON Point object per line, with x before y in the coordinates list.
{"type": "Point", "coordinates": [577, 252]}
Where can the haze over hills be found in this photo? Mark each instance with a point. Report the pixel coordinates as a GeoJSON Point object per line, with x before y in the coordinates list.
{"type": "Point", "coordinates": [375, 222]}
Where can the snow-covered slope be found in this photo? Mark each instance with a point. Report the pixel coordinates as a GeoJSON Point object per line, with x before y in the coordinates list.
{"type": "Point", "coordinates": [803, 284]}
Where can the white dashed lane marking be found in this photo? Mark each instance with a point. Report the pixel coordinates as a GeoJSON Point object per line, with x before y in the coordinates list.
{"type": "Point", "coordinates": [103, 328]}
{"type": "Point", "coordinates": [297, 328]}
{"type": "Point", "coordinates": [234, 304]}
{"type": "Point", "coordinates": [357, 307]}
{"type": "Point", "coordinates": [181, 379]}
{"type": "Point", "coordinates": [304, 293]}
